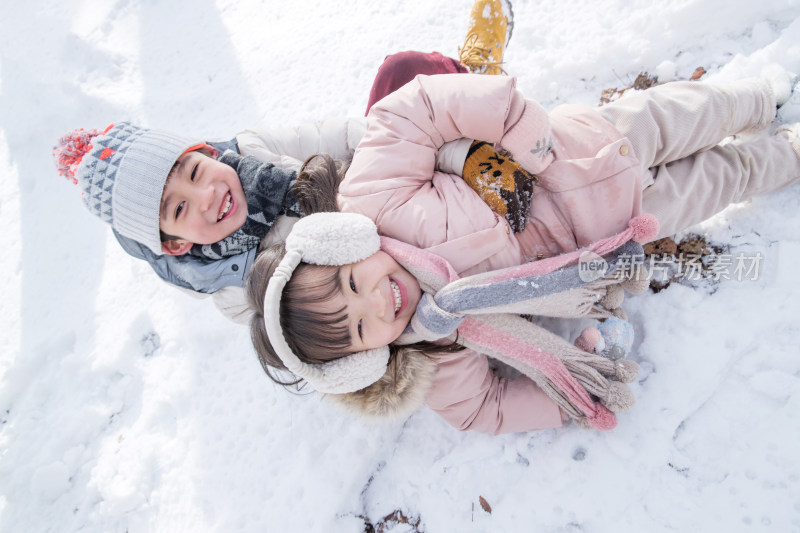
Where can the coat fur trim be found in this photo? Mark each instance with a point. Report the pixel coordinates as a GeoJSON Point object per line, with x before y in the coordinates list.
{"type": "Point", "coordinates": [400, 391]}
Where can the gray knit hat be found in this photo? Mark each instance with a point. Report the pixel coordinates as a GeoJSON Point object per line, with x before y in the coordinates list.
{"type": "Point", "coordinates": [121, 172]}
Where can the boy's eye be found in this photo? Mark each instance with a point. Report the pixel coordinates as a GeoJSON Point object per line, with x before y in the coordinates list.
{"type": "Point", "coordinates": [353, 288]}
{"type": "Point", "coordinates": [179, 209]}
{"type": "Point", "coordinates": [360, 334]}
{"type": "Point", "coordinates": [194, 171]}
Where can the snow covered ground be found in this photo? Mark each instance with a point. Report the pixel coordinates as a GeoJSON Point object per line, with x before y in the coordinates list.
{"type": "Point", "coordinates": [126, 406]}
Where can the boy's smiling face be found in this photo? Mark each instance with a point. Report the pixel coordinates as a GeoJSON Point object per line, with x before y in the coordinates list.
{"type": "Point", "coordinates": [203, 202]}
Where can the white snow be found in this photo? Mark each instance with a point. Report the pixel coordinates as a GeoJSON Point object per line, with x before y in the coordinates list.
{"type": "Point", "coordinates": [127, 406]}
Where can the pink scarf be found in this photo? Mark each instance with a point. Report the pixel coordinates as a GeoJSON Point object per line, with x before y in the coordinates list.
{"type": "Point", "coordinates": [485, 312]}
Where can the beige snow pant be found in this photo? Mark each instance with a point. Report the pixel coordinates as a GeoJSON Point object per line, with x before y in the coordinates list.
{"type": "Point", "coordinates": [675, 130]}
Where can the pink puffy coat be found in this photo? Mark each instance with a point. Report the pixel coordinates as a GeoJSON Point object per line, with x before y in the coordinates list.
{"type": "Point", "coordinates": [589, 187]}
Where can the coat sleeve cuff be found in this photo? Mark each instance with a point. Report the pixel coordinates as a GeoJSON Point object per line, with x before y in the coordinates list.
{"type": "Point", "coordinates": [452, 155]}
{"type": "Point", "coordinates": [530, 140]}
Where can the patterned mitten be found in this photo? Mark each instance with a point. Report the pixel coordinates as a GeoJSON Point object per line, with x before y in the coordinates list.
{"type": "Point", "coordinates": [501, 182]}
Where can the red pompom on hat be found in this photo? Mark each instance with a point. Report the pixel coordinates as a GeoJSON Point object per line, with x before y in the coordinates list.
{"type": "Point", "coordinates": [121, 172]}
{"type": "Point", "coordinates": [70, 150]}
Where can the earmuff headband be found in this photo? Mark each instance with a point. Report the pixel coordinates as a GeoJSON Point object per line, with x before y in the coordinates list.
{"type": "Point", "coordinates": [333, 239]}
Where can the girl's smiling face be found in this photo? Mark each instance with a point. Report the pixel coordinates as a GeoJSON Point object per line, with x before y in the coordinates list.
{"type": "Point", "coordinates": [378, 297]}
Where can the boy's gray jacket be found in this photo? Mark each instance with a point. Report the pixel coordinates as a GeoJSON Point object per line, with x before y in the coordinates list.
{"type": "Point", "coordinates": [191, 272]}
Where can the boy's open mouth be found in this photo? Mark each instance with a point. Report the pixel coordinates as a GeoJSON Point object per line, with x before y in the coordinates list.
{"type": "Point", "coordinates": [226, 207]}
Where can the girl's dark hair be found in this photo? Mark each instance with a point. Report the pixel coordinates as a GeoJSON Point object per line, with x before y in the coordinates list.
{"type": "Point", "coordinates": [314, 336]}
{"type": "Point", "coordinates": [318, 184]}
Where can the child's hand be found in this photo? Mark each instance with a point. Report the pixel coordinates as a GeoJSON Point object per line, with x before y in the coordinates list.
{"type": "Point", "coordinates": [501, 182]}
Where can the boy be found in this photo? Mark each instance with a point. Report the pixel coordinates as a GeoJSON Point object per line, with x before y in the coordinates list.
{"type": "Point", "coordinates": [198, 212]}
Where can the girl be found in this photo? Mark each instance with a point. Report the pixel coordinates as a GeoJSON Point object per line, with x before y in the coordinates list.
{"type": "Point", "coordinates": [657, 151]}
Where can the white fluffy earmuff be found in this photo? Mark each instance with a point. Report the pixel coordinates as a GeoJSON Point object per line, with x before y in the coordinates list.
{"type": "Point", "coordinates": [333, 239]}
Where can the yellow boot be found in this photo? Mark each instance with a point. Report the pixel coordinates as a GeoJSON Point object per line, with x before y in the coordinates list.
{"type": "Point", "coordinates": [490, 25]}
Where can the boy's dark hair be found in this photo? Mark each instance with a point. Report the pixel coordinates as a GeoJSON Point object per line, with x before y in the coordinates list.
{"type": "Point", "coordinates": [167, 237]}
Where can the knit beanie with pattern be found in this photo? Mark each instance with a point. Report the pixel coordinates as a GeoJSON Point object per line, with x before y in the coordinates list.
{"type": "Point", "coordinates": [121, 172]}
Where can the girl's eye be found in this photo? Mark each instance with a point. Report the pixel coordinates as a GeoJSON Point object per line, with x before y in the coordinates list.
{"type": "Point", "coordinates": [179, 209]}
{"type": "Point", "coordinates": [353, 288]}
{"type": "Point", "coordinates": [194, 171]}
{"type": "Point", "coordinates": [360, 334]}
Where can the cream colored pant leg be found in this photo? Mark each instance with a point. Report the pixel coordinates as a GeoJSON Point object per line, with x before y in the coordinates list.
{"type": "Point", "coordinates": [692, 189]}
{"type": "Point", "coordinates": [675, 130]}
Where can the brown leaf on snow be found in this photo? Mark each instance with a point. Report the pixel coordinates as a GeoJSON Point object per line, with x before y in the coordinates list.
{"type": "Point", "coordinates": [644, 81]}
{"type": "Point", "coordinates": [690, 261]}
{"type": "Point", "coordinates": [697, 74]}
{"type": "Point", "coordinates": [485, 505]}
{"type": "Point", "coordinates": [608, 95]}
{"type": "Point", "coordinates": [665, 246]}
